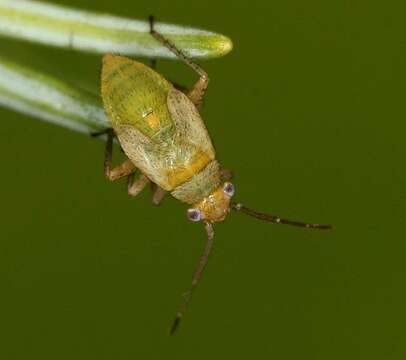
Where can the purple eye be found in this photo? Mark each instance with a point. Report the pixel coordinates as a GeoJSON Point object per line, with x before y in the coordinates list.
{"type": "Point", "coordinates": [229, 189]}
{"type": "Point", "coordinates": [194, 215]}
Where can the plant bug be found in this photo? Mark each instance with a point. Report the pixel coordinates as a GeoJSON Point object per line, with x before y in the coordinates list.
{"type": "Point", "coordinates": [163, 136]}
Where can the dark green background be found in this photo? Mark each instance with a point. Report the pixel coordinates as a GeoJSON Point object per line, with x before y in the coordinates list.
{"type": "Point", "coordinates": [309, 112]}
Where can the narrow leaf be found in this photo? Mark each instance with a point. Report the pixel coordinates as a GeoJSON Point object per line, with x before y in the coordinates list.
{"type": "Point", "coordinates": [41, 96]}
{"type": "Point", "coordinates": [83, 30]}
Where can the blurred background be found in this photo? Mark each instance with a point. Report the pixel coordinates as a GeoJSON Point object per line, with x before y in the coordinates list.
{"type": "Point", "coordinates": [308, 111]}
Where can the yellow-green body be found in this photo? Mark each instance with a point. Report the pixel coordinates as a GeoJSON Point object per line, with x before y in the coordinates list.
{"type": "Point", "coordinates": [161, 131]}
{"type": "Point", "coordinates": [135, 95]}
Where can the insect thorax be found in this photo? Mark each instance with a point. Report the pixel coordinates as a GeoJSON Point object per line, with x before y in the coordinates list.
{"type": "Point", "coordinates": [200, 185]}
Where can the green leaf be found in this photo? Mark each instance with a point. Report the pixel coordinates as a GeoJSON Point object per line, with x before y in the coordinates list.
{"type": "Point", "coordinates": [41, 96]}
{"type": "Point", "coordinates": [83, 30]}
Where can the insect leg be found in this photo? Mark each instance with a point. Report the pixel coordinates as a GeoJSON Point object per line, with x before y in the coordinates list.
{"type": "Point", "coordinates": [184, 89]}
{"type": "Point", "coordinates": [135, 187]}
{"type": "Point", "coordinates": [198, 90]}
{"type": "Point", "coordinates": [158, 195]}
{"type": "Point", "coordinates": [124, 169]}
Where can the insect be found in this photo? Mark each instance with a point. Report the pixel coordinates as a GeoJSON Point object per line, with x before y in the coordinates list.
{"type": "Point", "coordinates": [164, 138]}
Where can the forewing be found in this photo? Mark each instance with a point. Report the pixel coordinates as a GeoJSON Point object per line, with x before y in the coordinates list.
{"type": "Point", "coordinates": [148, 156]}
{"type": "Point", "coordinates": [172, 159]}
{"type": "Point", "coordinates": [189, 127]}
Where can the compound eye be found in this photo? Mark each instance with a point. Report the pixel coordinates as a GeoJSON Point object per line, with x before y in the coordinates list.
{"type": "Point", "coordinates": [229, 189]}
{"type": "Point", "coordinates": [194, 215]}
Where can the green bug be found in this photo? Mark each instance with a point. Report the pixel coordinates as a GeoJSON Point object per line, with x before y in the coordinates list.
{"type": "Point", "coordinates": [161, 132]}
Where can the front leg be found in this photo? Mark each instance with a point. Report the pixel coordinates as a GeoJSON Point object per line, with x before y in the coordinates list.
{"type": "Point", "coordinates": [196, 94]}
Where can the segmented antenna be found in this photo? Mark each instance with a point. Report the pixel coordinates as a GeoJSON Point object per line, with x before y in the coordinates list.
{"type": "Point", "coordinates": [276, 219]}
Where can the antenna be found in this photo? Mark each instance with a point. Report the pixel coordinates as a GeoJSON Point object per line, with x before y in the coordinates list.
{"type": "Point", "coordinates": [276, 219]}
{"type": "Point", "coordinates": [196, 277]}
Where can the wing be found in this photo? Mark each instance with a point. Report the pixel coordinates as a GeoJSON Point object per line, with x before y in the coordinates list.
{"type": "Point", "coordinates": [188, 123]}
{"type": "Point", "coordinates": [175, 158]}
{"type": "Point", "coordinates": [194, 149]}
